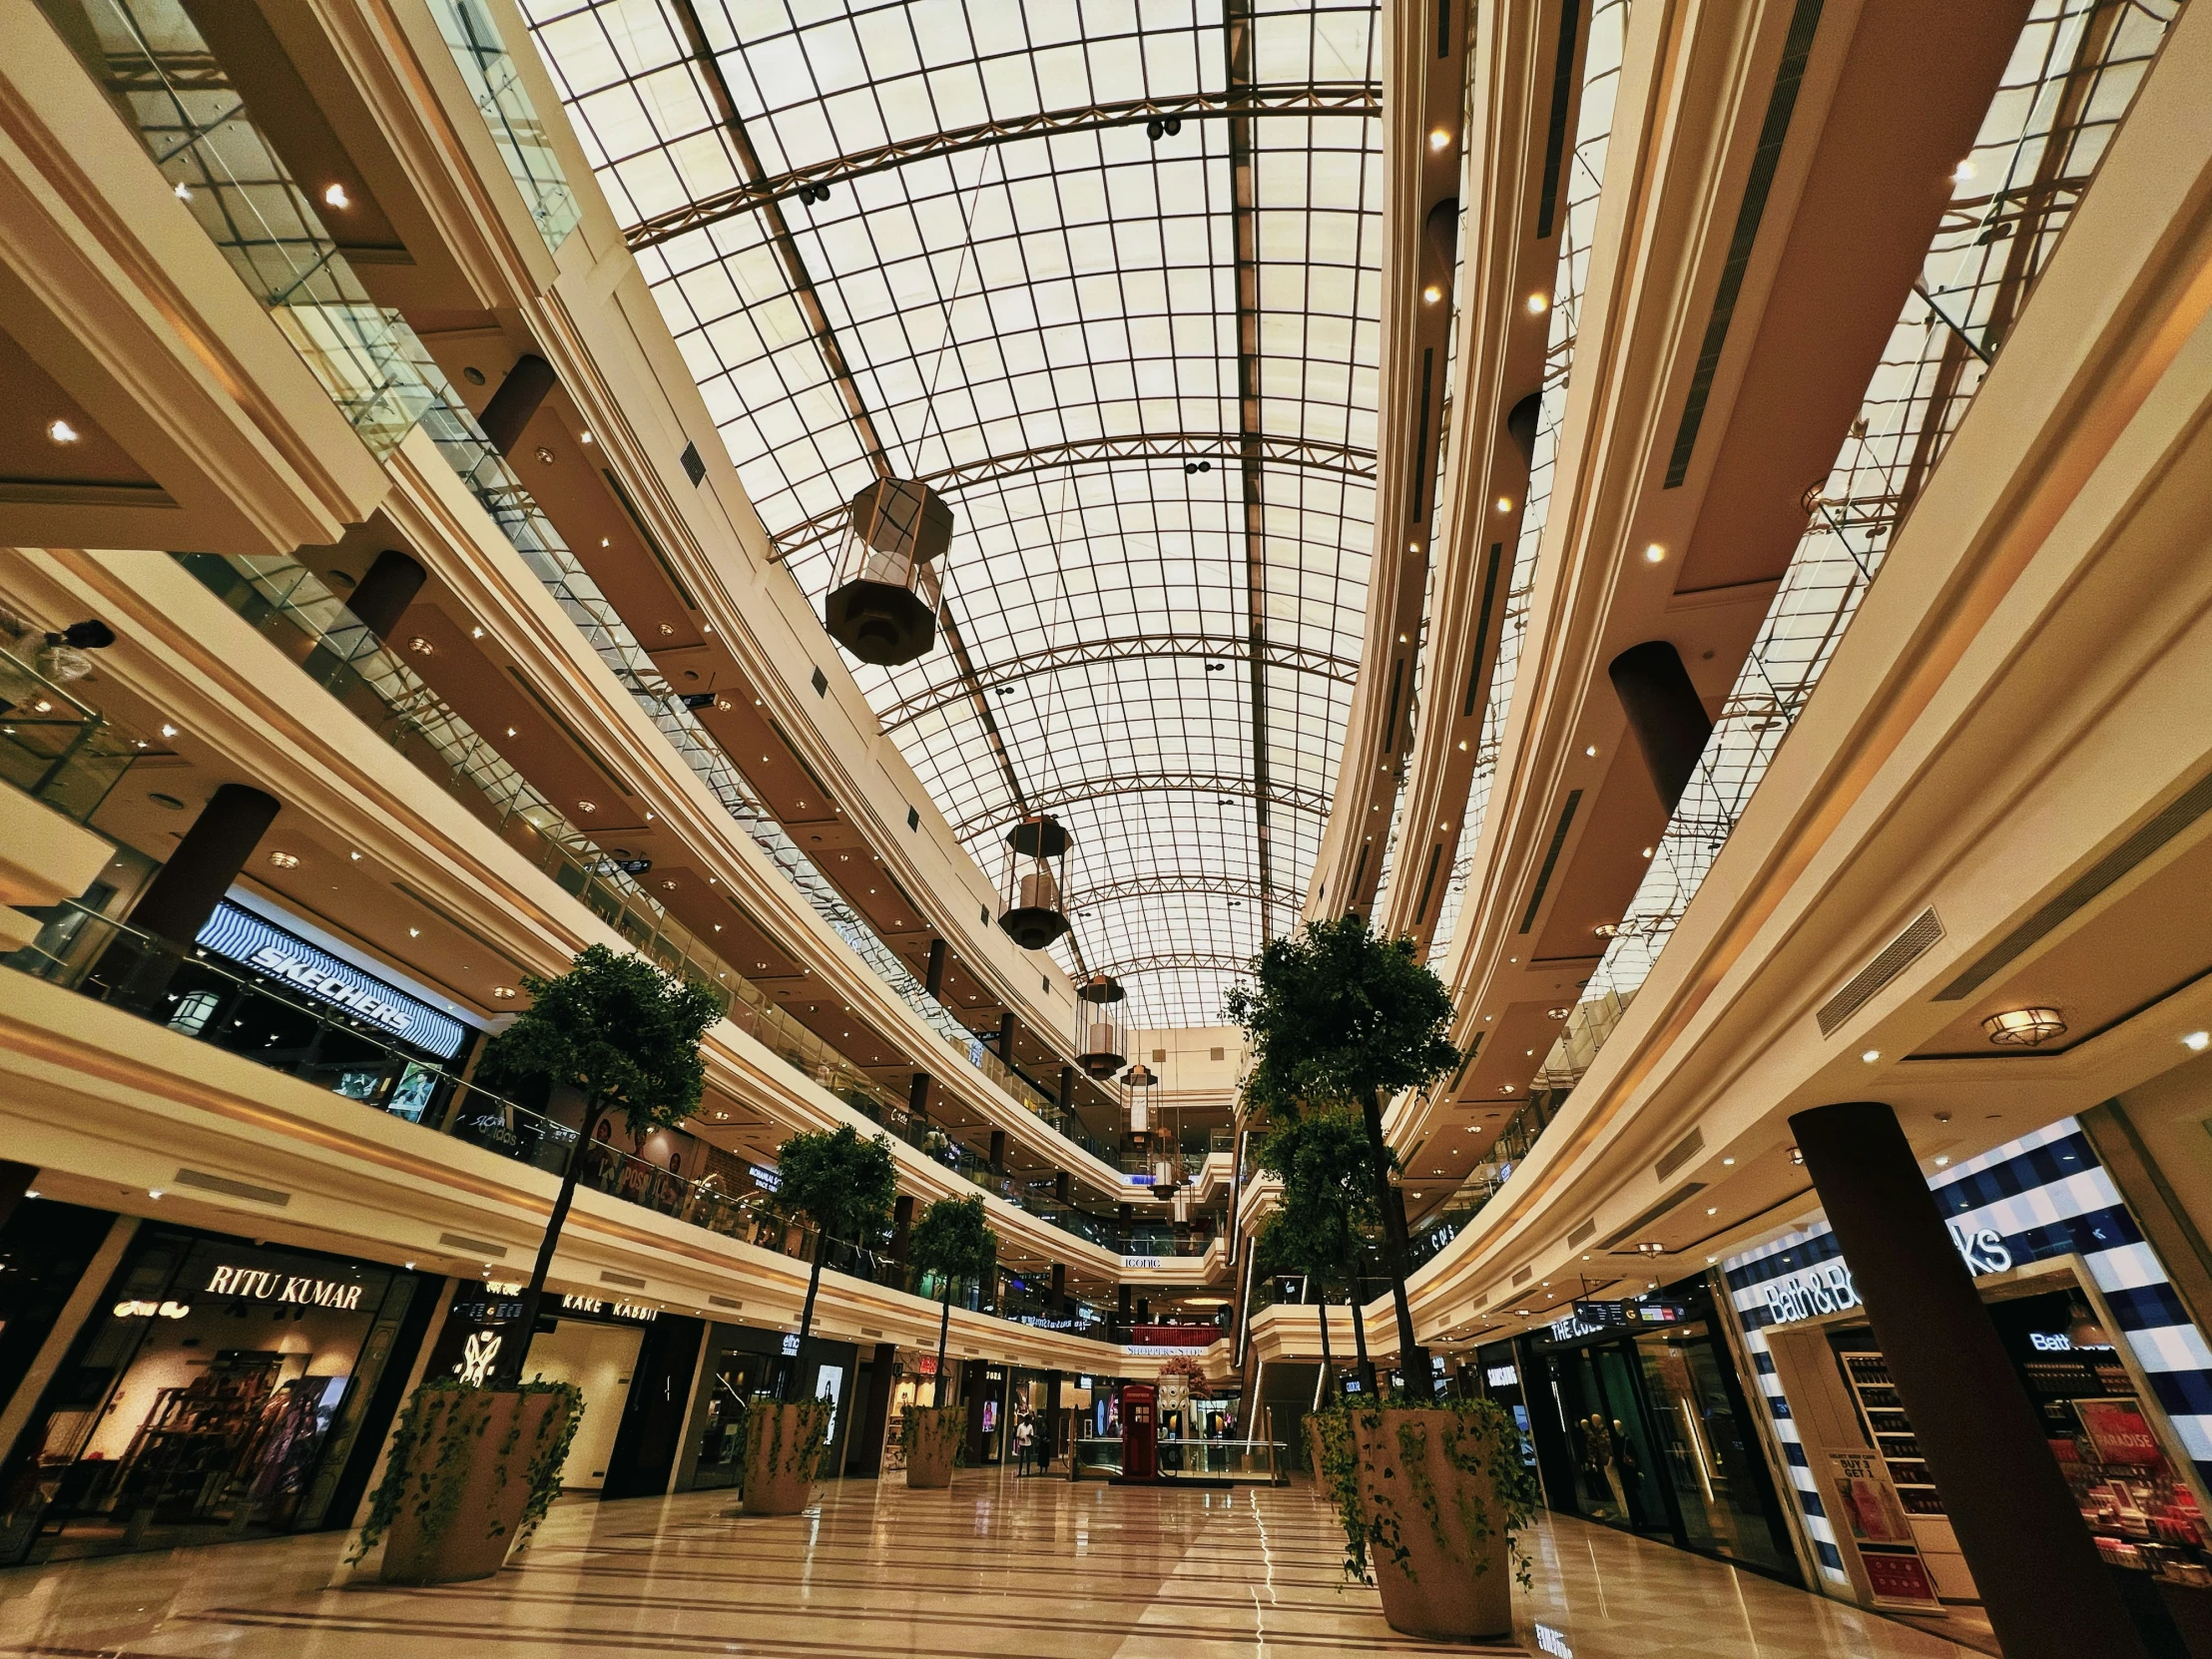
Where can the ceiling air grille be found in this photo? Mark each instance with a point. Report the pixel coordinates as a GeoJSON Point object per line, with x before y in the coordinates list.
{"type": "Point", "coordinates": [1898, 956]}
{"type": "Point", "coordinates": [1684, 1150]}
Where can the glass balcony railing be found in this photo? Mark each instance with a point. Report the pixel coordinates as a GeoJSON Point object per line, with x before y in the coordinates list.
{"type": "Point", "coordinates": [266, 1021]}
{"type": "Point", "coordinates": [510, 116]}
{"type": "Point", "coordinates": [170, 87]}
{"type": "Point", "coordinates": [54, 748]}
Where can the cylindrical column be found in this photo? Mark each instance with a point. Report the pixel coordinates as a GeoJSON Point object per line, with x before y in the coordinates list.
{"type": "Point", "coordinates": [1067, 1088]}
{"type": "Point", "coordinates": [1122, 1302]}
{"type": "Point", "coordinates": [1063, 1188]}
{"type": "Point", "coordinates": [179, 901]}
{"type": "Point", "coordinates": [1144, 1309]}
{"type": "Point", "coordinates": [998, 1151]}
{"type": "Point", "coordinates": [386, 591]}
{"type": "Point", "coordinates": [933, 978]}
{"type": "Point", "coordinates": [2047, 1593]}
{"type": "Point", "coordinates": [902, 1226]}
{"type": "Point", "coordinates": [1059, 1285]}
{"type": "Point", "coordinates": [917, 1096]}
{"type": "Point", "coordinates": [1665, 712]}
{"type": "Point", "coordinates": [1006, 1036]}
{"type": "Point", "coordinates": [517, 399]}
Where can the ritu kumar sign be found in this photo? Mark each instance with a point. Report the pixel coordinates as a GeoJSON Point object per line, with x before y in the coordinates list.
{"type": "Point", "coordinates": [1828, 1287]}
{"type": "Point", "coordinates": [294, 1290]}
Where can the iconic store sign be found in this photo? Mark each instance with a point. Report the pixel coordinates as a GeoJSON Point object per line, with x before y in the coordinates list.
{"type": "Point", "coordinates": [1827, 1288]}
{"type": "Point", "coordinates": [244, 937]}
{"type": "Point", "coordinates": [258, 1285]}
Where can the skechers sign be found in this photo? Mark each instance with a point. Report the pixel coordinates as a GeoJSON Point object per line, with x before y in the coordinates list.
{"type": "Point", "coordinates": [1828, 1289]}
{"type": "Point", "coordinates": [244, 937]}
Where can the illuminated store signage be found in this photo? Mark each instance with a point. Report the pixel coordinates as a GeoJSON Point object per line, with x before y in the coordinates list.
{"type": "Point", "coordinates": [1502, 1377]}
{"type": "Point", "coordinates": [138, 1309]}
{"type": "Point", "coordinates": [1828, 1287]}
{"type": "Point", "coordinates": [644, 1312]}
{"type": "Point", "coordinates": [241, 937]}
{"type": "Point", "coordinates": [259, 1285]}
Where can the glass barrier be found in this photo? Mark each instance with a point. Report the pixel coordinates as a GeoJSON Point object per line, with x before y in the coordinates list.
{"type": "Point", "coordinates": [504, 102]}
{"type": "Point", "coordinates": [54, 748]}
{"type": "Point", "coordinates": [170, 87]}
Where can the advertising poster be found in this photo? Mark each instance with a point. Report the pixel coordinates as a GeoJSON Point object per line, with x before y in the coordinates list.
{"type": "Point", "coordinates": [1867, 1508]}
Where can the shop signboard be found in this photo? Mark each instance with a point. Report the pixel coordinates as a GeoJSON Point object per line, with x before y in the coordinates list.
{"type": "Point", "coordinates": [2117, 1432]}
{"type": "Point", "coordinates": [238, 935]}
{"type": "Point", "coordinates": [1828, 1287]}
{"type": "Point", "coordinates": [1875, 1520]}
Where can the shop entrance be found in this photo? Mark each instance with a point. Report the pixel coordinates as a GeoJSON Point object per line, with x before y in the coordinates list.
{"type": "Point", "coordinates": [221, 1394]}
{"type": "Point", "coordinates": [600, 1360]}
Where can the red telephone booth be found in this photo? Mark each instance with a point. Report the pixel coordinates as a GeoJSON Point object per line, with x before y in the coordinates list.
{"type": "Point", "coordinates": [1140, 1431]}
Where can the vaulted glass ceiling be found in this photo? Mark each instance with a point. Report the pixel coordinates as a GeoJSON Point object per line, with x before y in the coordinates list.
{"type": "Point", "coordinates": [1142, 367]}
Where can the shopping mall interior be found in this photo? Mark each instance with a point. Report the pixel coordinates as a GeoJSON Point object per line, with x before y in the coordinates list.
{"type": "Point", "coordinates": [923, 825]}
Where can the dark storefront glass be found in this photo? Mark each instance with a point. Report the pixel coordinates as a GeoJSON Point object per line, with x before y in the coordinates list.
{"type": "Point", "coordinates": [1640, 1423]}
{"type": "Point", "coordinates": [220, 1392]}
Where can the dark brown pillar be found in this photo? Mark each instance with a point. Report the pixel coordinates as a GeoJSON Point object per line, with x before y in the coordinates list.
{"type": "Point", "coordinates": [903, 1227]}
{"type": "Point", "coordinates": [1122, 1303]}
{"type": "Point", "coordinates": [386, 591]}
{"type": "Point", "coordinates": [184, 895]}
{"type": "Point", "coordinates": [1144, 1309]}
{"type": "Point", "coordinates": [1051, 1439]}
{"type": "Point", "coordinates": [917, 1096]}
{"type": "Point", "coordinates": [2047, 1593]}
{"type": "Point", "coordinates": [972, 1386]}
{"type": "Point", "coordinates": [1059, 1285]}
{"type": "Point", "coordinates": [933, 979]}
{"type": "Point", "coordinates": [1063, 1188]}
{"type": "Point", "coordinates": [1067, 1088]}
{"type": "Point", "coordinates": [1665, 712]}
{"type": "Point", "coordinates": [518, 398]}
{"type": "Point", "coordinates": [998, 1151]}
{"type": "Point", "coordinates": [867, 1459]}
{"type": "Point", "coordinates": [1006, 1036]}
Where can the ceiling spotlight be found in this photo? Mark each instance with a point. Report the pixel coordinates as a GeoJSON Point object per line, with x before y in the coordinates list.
{"type": "Point", "coordinates": [334, 195]}
{"type": "Point", "coordinates": [1797, 1155]}
{"type": "Point", "coordinates": [60, 431]}
{"type": "Point", "coordinates": [421, 646]}
{"type": "Point", "coordinates": [1871, 1055]}
{"type": "Point", "coordinates": [1963, 172]}
{"type": "Point", "coordinates": [1647, 851]}
{"type": "Point", "coordinates": [1606, 929]}
{"type": "Point", "coordinates": [1506, 1088]}
{"type": "Point", "coordinates": [1590, 749]}
{"type": "Point", "coordinates": [1431, 294]}
{"type": "Point", "coordinates": [1942, 1160]}
{"type": "Point", "coordinates": [2195, 1041]}
{"type": "Point", "coordinates": [1557, 1014]}
{"type": "Point", "coordinates": [1504, 503]}
{"type": "Point", "coordinates": [1538, 305]}
{"type": "Point", "coordinates": [545, 455]}
{"type": "Point", "coordinates": [414, 932]}
{"type": "Point", "coordinates": [587, 805]}
{"type": "Point", "coordinates": [1439, 139]}
{"type": "Point", "coordinates": [1651, 1247]}
{"type": "Point", "coordinates": [1654, 553]}
{"type": "Point", "coordinates": [2024, 1027]}
{"type": "Point", "coordinates": [503, 993]}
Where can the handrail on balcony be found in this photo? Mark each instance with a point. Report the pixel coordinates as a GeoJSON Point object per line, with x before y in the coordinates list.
{"type": "Point", "coordinates": [54, 747]}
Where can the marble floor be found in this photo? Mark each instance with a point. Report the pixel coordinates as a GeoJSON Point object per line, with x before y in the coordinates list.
{"type": "Point", "coordinates": [1035, 1568]}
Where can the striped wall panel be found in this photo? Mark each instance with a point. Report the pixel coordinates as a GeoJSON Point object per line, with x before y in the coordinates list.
{"type": "Point", "coordinates": [2045, 1195]}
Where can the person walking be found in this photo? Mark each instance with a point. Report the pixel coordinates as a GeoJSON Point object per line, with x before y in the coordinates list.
{"type": "Point", "coordinates": [1025, 1440]}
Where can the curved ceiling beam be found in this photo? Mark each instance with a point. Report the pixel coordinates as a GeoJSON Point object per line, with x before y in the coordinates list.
{"type": "Point", "coordinates": [1176, 959]}
{"type": "Point", "coordinates": [1359, 98]}
{"type": "Point", "coordinates": [1223, 647]}
{"type": "Point", "coordinates": [1172, 881]}
{"type": "Point", "coordinates": [1311, 454]}
{"type": "Point", "coordinates": [1314, 801]}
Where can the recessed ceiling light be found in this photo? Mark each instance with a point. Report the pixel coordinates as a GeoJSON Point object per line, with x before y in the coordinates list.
{"type": "Point", "coordinates": [1871, 1055]}
{"type": "Point", "coordinates": [1654, 554]}
{"type": "Point", "coordinates": [1538, 305]}
{"type": "Point", "coordinates": [1439, 138]}
{"type": "Point", "coordinates": [414, 932]}
{"type": "Point", "coordinates": [1963, 172]}
{"type": "Point", "coordinates": [334, 195]}
{"type": "Point", "coordinates": [1431, 294]}
{"type": "Point", "coordinates": [1504, 503]}
{"type": "Point", "coordinates": [60, 431]}
{"type": "Point", "coordinates": [1941, 1161]}
{"type": "Point", "coordinates": [1590, 749]}
{"type": "Point", "coordinates": [503, 993]}
{"type": "Point", "coordinates": [285, 860]}
{"type": "Point", "coordinates": [2195, 1041]}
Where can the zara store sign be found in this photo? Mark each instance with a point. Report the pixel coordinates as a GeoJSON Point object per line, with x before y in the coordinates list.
{"type": "Point", "coordinates": [1828, 1287]}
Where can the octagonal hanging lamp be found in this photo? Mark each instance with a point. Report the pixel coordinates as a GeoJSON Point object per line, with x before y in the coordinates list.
{"type": "Point", "coordinates": [1099, 1040]}
{"type": "Point", "coordinates": [1037, 855]}
{"type": "Point", "coordinates": [1136, 1080]}
{"type": "Point", "coordinates": [883, 604]}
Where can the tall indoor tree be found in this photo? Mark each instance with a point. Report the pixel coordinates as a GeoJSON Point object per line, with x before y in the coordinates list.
{"type": "Point", "coordinates": [626, 1036]}
{"type": "Point", "coordinates": [952, 1241]}
{"type": "Point", "coordinates": [1337, 1014]}
{"type": "Point", "coordinates": [845, 1188]}
{"type": "Point", "coordinates": [1320, 1228]}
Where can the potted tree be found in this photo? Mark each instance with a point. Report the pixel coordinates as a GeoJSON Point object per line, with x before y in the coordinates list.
{"type": "Point", "coordinates": [843, 1187]}
{"type": "Point", "coordinates": [1430, 1493]}
{"type": "Point", "coordinates": [952, 1241]}
{"type": "Point", "coordinates": [477, 1458]}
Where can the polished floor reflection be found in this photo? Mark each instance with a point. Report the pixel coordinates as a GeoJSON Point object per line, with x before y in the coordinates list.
{"type": "Point", "coordinates": [1035, 1568]}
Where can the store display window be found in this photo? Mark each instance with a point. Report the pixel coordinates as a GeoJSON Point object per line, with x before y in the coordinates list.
{"type": "Point", "coordinates": [218, 1394]}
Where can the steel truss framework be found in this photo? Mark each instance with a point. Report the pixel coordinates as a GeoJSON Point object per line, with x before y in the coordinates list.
{"type": "Point", "coordinates": [1223, 785]}
{"type": "Point", "coordinates": [1322, 98]}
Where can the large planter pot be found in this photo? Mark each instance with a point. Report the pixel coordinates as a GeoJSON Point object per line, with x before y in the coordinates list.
{"type": "Point", "coordinates": [933, 1436]}
{"type": "Point", "coordinates": [782, 1451]}
{"type": "Point", "coordinates": [467, 1479]}
{"type": "Point", "coordinates": [1437, 1540]}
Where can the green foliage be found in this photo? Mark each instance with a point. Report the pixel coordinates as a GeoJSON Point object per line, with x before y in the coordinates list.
{"type": "Point", "coordinates": [953, 1239]}
{"type": "Point", "coordinates": [1337, 1013]}
{"type": "Point", "coordinates": [768, 1455]}
{"type": "Point", "coordinates": [841, 1184]}
{"type": "Point", "coordinates": [617, 1028]}
{"type": "Point", "coordinates": [935, 1427]}
{"type": "Point", "coordinates": [1478, 1441]}
{"type": "Point", "coordinates": [433, 1446]}
{"type": "Point", "coordinates": [1327, 1166]}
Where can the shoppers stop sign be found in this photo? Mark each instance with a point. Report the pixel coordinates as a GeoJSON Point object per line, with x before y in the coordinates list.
{"type": "Point", "coordinates": [1828, 1287]}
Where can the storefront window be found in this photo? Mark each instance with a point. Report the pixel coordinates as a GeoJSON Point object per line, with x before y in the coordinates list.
{"type": "Point", "coordinates": [218, 1395]}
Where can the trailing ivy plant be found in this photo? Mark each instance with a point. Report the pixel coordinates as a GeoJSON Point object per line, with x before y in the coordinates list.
{"type": "Point", "coordinates": [429, 1487]}
{"type": "Point", "coordinates": [1336, 1015]}
{"type": "Point", "coordinates": [937, 1423]}
{"type": "Point", "coordinates": [1479, 1441]}
{"type": "Point", "coordinates": [801, 1456]}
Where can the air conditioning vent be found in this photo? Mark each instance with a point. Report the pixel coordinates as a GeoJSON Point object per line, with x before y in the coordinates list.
{"type": "Point", "coordinates": [1651, 1215]}
{"type": "Point", "coordinates": [1524, 1275]}
{"type": "Point", "coordinates": [1582, 1232]}
{"type": "Point", "coordinates": [726, 1301]}
{"type": "Point", "coordinates": [1898, 956]}
{"type": "Point", "coordinates": [235, 1189]}
{"type": "Point", "coordinates": [629, 1279]}
{"type": "Point", "coordinates": [1684, 1150]}
{"type": "Point", "coordinates": [474, 1246]}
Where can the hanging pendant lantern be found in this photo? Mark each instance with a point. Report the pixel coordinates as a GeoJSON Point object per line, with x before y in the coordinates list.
{"type": "Point", "coordinates": [883, 604]}
{"type": "Point", "coordinates": [1098, 1018]}
{"type": "Point", "coordinates": [1136, 1080]}
{"type": "Point", "coordinates": [1037, 852]}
